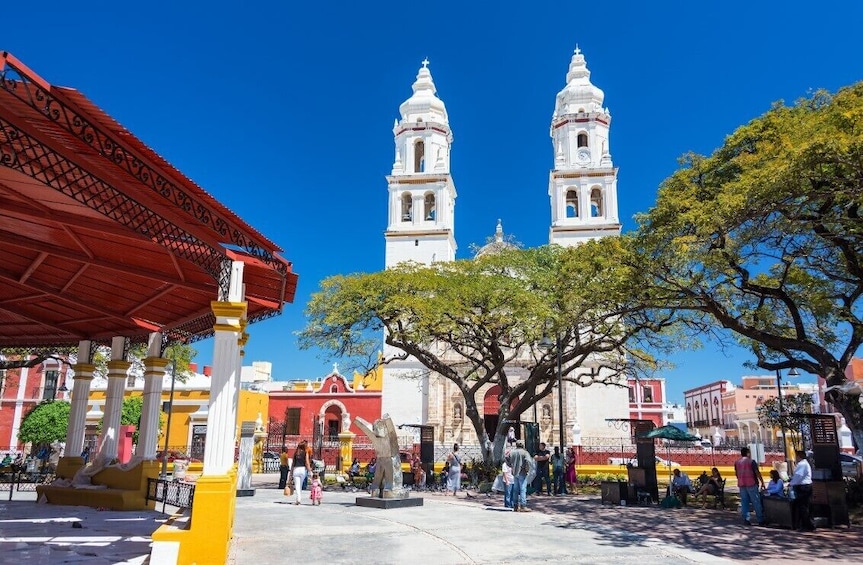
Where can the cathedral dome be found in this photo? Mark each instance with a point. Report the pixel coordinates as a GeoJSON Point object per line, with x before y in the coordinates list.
{"type": "Point", "coordinates": [579, 94]}
{"type": "Point", "coordinates": [424, 105]}
{"type": "Point", "coordinates": [496, 246]}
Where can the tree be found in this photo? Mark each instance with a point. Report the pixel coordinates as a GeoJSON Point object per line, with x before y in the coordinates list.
{"type": "Point", "coordinates": [764, 238]}
{"type": "Point", "coordinates": [130, 415]}
{"type": "Point", "coordinates": [45, 423]}
{"type": "Point", "coordinates": [28, 357]}
{"type": "Point", "coordinates": [478, 322]}
{"type": "Point", "coordinates": [770, 416]}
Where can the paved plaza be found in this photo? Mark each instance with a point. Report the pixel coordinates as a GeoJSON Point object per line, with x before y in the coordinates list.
{"type": "Point", "coordinates": [572, 529]}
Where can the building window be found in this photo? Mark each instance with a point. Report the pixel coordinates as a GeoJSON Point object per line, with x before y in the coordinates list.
{"type": "Point", "coordinates": [49, 391]}
{"type": "Point", "coordinates": [596, 203]}
{"type": "Point", "coordinates": [429, 204]}
{"type": "Point", "coordinates": [407, 204]}
{"type": "Point", "coordinates": [631, 394]}
{"type": "Point", "coordinates": [334, 388]}
{"type": "Point", "coordinates": [647, 393]}
{"type": "Point", "coordinates": [571, 204]}
{"type": "Point", "coordinates": [582, 139]}
{"type": "Point", "coordinates": [292, 422]}
{"type": "Point", "coordinates": [419, 157]}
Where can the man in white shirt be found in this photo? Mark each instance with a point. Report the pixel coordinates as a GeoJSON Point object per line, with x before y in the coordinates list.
{"type": "Point", "coordinates": [681, 486]}
{"type": "Point", "coordinates": [801, 483]}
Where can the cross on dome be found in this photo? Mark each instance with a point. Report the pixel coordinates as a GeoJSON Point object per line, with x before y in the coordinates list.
{"type": "Point", "coordinates": [425, 62]}
{"type": "Point", "coordinates": [577, 50]}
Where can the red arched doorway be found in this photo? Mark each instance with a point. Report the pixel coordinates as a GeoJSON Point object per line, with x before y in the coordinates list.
{"type": "Point", "coordinates": [332, 422]}
{"type": "Point", "coordinates": [491, 411]}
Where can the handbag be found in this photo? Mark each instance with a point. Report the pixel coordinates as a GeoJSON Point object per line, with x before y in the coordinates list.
{"type": "Point", "coordinates": [289, 490]}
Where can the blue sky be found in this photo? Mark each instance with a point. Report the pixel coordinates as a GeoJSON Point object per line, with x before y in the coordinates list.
{"type": "Point", "coordinates": [284, 111]}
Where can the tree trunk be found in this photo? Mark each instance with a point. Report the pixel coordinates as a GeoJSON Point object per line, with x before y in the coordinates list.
{"type": "Point", "coordinates": [472, 413]}
{"type": "Point", "coordinates": [849, 407]}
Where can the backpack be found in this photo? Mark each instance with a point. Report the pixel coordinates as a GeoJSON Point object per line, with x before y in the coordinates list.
{"type": "Point", "coordinates": [525, 467]}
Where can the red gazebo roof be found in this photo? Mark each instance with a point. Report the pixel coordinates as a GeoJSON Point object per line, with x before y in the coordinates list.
{"type": "Point", "coordinates": [101, 237]}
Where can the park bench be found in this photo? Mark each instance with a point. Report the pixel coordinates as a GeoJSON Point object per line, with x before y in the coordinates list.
{"type": "Point", "coordinates": [719, 495]}
{"type": "Point", "coordinates": [123, 489]}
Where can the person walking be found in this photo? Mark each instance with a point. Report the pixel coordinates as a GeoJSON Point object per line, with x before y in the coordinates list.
{"type": "Point", "coordinates": [283, 468]}
{"type": "Point", "coordinates": [557, 467]}
{"type": "Point", "coordinates": [509, 494]}
{"type": "Point", "coordinates": [571, 475]}
{"type": "Point", "coordinates": [300, 469]}
{"type": "Point", "coordinates": [317, 490]}
{"type": "Point", "coordinates": [453, 482]}
{"type": "Point", "coordinates": [542, 458]}
{"type": "Point", "coordinates": [748, 480]}
{"type": "Point", "coordinates": [520, 462]}
{"type": "Point", "coordinates": [801, 484]}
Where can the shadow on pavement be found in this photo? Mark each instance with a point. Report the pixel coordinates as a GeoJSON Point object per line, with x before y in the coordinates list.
{"type": "Point", "coordinates": [720, 533]}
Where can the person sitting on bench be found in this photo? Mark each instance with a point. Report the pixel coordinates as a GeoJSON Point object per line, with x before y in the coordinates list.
{"type": "Point", "coordinates": [776, 486]}
{"type": "Point", "coordinates": [681, 486]}
{"type": "Point", "coordinates": [711, 486]}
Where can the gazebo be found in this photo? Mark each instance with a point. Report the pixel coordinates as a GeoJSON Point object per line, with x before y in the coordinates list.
{"type": "Point", "coordinates": [105, 243]}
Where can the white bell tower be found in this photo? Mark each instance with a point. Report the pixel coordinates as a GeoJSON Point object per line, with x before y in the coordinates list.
{"type": "Point", "coordinates": [420, 225]}
{"type": "Point", "coordinates": [583, 184]}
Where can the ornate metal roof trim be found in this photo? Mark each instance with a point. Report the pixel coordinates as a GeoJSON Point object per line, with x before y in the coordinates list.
{"type": "Point", "coordinates": [34, 92]}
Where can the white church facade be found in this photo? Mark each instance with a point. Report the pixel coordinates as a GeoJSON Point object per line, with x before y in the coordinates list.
{"type": "Point", "coordinates": [421, 227]}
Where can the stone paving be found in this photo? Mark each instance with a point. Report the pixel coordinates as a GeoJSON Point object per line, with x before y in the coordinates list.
{"type": "Point", "coordinates": [476, 529]}
{"type": "Point", "coordinates": [34, 534]}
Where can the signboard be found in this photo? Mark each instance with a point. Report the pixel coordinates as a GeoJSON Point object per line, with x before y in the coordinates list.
{"type": "Point", "coordinates": [824, 431]}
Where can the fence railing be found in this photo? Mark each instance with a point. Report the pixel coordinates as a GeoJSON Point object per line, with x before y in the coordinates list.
{"type": "Point", "coordinates": [22, 481]}
{"type": "Point", "coordinates": [175, 493]}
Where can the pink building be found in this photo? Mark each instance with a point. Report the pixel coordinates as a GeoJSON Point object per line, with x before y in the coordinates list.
{"type": "Point", "coordinates": [704, 407]}
{"type": "Point", "coordinates": [647, 400]}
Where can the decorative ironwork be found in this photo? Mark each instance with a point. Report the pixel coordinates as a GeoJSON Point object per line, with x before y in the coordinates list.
{"type": "Point", "coordinates": [224, 279]}
{"type": "Point", "coordinates": [42, 163]}
{"type": "Point", "coordinates": [175, 493]}
{"type": "Point", "coordinates": [29, 91]}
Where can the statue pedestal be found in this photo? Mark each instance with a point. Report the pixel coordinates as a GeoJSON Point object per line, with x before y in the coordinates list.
{"type": "Point", "coordinates": [387, 503]}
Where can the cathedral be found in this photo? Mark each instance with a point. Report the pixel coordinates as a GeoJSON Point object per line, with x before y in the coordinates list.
{"type": "Point", "coordinates": [582, 190]}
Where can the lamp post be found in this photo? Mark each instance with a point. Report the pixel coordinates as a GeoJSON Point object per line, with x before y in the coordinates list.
{"type": "Point", "coordinates": [792, 373]}
{"type": "Point", "coordinates": [546, 343]}
{"type": "Point", "coordinates": [61, 390]}
{"type": "Point", "coordinates": [164, 474]}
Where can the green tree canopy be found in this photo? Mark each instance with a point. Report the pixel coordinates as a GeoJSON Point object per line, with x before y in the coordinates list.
{"type": "Point", "coordinates": [764, 238]}
{"type": "Point", "coordinates": [478, 322]}
{"type": "Point", "coordinates": [130, 415]}
{"type": "Point", "coordinates": [46, 422]}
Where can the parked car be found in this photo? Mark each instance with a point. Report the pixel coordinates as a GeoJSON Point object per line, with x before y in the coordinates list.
{"type": "Point", "coordinates": [271, 455]}
{"type": "Point", "coordinates": [660, 462]}
{"type": "Point", "coordinates": [852, 465]}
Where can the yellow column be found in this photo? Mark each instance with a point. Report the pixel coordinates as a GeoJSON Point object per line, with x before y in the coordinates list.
{"type": "Point", "coordinates": [346, 450]}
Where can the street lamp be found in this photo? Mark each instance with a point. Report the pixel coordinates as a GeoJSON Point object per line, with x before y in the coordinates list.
{"type": "Point", "coordinates": [792, 373]}
{"type": "Point", "coordinates": [546, 344]}
{"type": "Point", "coordinates": [164, 474]}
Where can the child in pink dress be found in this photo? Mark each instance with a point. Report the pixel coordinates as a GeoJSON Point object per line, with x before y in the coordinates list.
{"type": "Point", "coordinates": [317, 489]}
